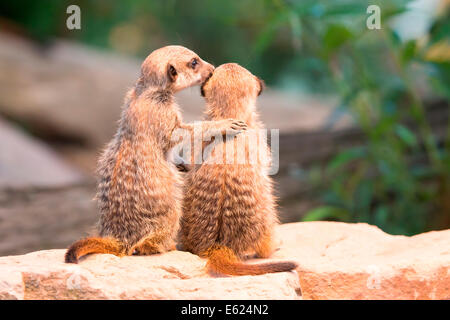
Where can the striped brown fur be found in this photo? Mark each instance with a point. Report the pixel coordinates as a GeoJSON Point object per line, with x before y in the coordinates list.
{"type": "Point", "coordinates": [139, 191]}
{"type": "Point", "coordinates": [229, 209]}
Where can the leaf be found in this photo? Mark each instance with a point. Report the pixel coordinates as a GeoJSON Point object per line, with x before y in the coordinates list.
{"type": "Point", "coordinates": [335, 36]}
{"type": "Point", "coordinates": [325, 212]}
{"type": "Point", "coordinates": [306, 8]}
{"type": "Point", "coordinates": [406, 135]}
{"type": "Point", "coordinates": [296, 29]}
{"type": "Point", "coordinates": [440, 30]}
{"type": "Point", "coordinates": [381, 216]}
{"type": "Point", "coordinates": [345, 157]}
{"type": "Point", "coordinates": [440, 78]}
{"type": "Point", "coordinates": [268, 32]}
{"type": "Point", "coordinates": [349, 8]}
{"type": "Point", "coordinates": [408, 51]}
{"type": "Point", "coordinates": [320, 10]}
{"type": "Point", "coordinates": [363, 196]}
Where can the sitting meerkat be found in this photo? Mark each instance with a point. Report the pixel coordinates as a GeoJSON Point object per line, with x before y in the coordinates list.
{"type": "Point", "coordinates": [228, 208]}
{"type": "Point", "coordinates": [139, 191]}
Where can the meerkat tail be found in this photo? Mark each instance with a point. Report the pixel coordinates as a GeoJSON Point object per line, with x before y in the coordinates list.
{"type": "Point", "coordinates": [93, 245]}
{"type": "Point", "coordinates": [223, 260]}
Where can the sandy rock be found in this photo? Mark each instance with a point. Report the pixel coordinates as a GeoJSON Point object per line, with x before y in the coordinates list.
{"type": "Point", "coordinates": [174, 275]}
{"type": "Point", "coordinates": [359, 261]}
{"type": "Point", "coordinates": [336, 261]}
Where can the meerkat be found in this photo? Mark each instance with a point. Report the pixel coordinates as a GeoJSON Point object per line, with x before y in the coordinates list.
{"type": "Point", "coordinates": [229, 209]}
{"type": "Point", "coordinates": [139, 191]}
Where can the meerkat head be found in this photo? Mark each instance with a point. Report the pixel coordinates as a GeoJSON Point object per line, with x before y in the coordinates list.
{"type": "Point", "coordinates": [174, 68]}
{"type": "Point", "coordinates": [232, 85]}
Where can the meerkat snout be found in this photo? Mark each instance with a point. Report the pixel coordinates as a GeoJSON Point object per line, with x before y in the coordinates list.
{"type": "Point", "coordinates": [207, 73]}
{"type": "Point", "coordinates": [196, 73]}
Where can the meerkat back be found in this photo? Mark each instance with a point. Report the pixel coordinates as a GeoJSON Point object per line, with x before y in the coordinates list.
{"type": "Point", "coordinates": [231, 204]}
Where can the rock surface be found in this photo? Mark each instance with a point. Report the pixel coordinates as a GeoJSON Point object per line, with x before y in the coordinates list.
{"type": "Point", "coordinates": [26, 163]}
{"type": "Point", "coordinates": [44, 202]}
{"type": "Point", "coordinates": [336, 261]}
{"type": "Point", "coordinates": [359, 261]}
{"type": "Point", "coordinates": [174, 275]}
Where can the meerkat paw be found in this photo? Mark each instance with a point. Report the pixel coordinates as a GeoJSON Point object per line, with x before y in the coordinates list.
{"type": "Point", "coordinates": [182, 167]}
{"type": "Point", "coordinates": [171, 246]}
{"type": "Point", "coordinates": [236, 126]}
{"type": "Point", "coordinates": [147, 249]}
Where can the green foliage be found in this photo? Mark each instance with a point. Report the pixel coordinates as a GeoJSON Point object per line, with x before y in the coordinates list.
{"type": "Point", "coordinates": [399, 179]}
{"type": "Point", "coordinates": [327, 212]}
{"type": "Point", "coordinates": [220, 31]}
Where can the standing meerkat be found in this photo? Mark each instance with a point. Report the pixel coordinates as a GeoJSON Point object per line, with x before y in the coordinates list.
{"type": "Point", "coordinates": [228, 208]}
{"type": "Point", "coordinates": [139, 191]}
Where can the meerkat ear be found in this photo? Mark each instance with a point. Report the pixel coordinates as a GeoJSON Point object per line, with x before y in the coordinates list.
{"type": "Point", "coordinates": [171, 73]}
{"type": "Point", "coordinates": [262, 85]}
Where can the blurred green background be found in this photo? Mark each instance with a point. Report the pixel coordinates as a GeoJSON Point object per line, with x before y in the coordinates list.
{"type": "Point", "coordinates": [386, 79]}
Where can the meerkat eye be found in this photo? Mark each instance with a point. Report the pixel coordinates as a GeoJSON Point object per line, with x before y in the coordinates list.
{"type": "Point", "coordinates": [194, 63]}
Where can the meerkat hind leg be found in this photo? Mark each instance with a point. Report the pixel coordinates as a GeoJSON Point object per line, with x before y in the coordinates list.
{"type": "Point", "coordinates": [265, 247]}
{"type": "Point", "coordinates": [153, 245]}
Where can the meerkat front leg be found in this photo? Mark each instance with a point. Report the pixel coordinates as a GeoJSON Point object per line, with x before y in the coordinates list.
{"type": "Point", "coordinates": [218, 127]}
{"type": "Point", "coordinates": [188, 134]}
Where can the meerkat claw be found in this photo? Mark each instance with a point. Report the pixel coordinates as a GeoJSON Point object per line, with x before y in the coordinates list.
{"type": "Point", "coordinates": [237, 126]}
